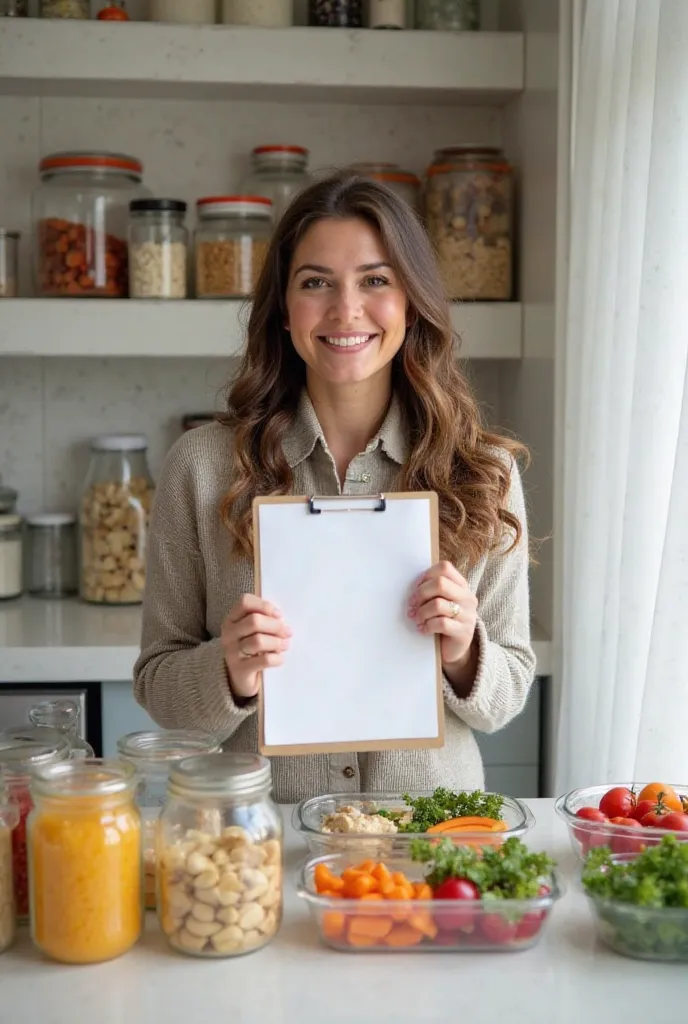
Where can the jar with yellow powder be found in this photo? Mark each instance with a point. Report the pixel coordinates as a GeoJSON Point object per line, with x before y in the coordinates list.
{"type": "Point", "coordinates": [85, 861]}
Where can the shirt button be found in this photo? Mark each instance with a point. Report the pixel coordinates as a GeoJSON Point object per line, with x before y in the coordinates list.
{"type": "Point", "coordinates": [349, 772]}
{"type": "Point", "coordinates": [365, 478]}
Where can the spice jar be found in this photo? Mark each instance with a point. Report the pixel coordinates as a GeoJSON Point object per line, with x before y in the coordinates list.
{"type": "Point", "coordinates": [65, 9]}
{"type": "Point", "coordinates": [81, 214]}
{"type": "Point", "coordinates": [219, 849]}
{"type": "Point", "coordinates": [448, 15]}
{"type": "Point", "coordinates": [231, 243]}
{"type": "Point", "coordinates": [153, 754]}
{"type": "Point", "coordinates": [85, 861]}
{"type": "Point", "coordinates": [405, 184]}
{"type": "Point", "coordinates": [277, 173]}
{"type": "Point", "coordinates": [183, 12]}
{"type": "Point", "coordinates": [22, 750]}
{"type": "Point", "coordinates": [9, 264]}
{"type": "Point", "coordinates": [469, 216]}
{"type": "Point", "coordinates": [158, 242]}
{"type": "Point", "coordinates": [9, 818]}
{"type": "Point", "coordinates": [261, 13]}
{"type": "Point", "coordinates": [387, 14]}
{"type": "Point", "coordinates": [52, 557]}
{"type": "Point", "coordinates": [336, 13]}
{"type": "Point", "coordinates": [62, 716]}
{"type": "Point", "coordinates": [113, 521]}
{"type": "Point", "coordinates": [11, 576]}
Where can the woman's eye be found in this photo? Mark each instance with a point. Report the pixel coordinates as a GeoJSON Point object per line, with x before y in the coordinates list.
{"type": "Point", "coordinates": [375, 280]}
{"type": "Point", "coordinates": [313, 282]}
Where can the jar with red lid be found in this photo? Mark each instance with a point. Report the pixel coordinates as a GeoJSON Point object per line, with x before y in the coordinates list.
{"type": "Point", "coordinates": [231, 243]}
{"type": "Point", "coordinates": [404, 183]}
{"type": "Point", "coordinates": [278, 173]}
{"type": "Point", "coordinates": [81, 214]}
{"type": "Point", "coordinates": [469, 200]}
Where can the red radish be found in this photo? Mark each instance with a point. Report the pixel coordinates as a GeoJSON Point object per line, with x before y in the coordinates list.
{"type": "Point", "coordinates": [497, 929]}
{"type": "Point", "coordinates": [455, 890]}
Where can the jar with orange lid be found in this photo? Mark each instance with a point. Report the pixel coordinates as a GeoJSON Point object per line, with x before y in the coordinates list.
{"type": "Point", "coordinates": [231, 243]}
{"type": "Point", "coordinates": [85, 861]}
{"type": "Point", "coordinates": [469, 213]}
{"type": "Point", "coordinates": [404, 183]}
{"type": "Point", "coordinates": [81, 215]}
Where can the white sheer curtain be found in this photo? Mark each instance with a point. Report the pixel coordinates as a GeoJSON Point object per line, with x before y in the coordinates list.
{"type": "Point", "coordinates": [623, 711]}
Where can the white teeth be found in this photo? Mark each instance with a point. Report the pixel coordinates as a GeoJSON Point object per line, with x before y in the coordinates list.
{"type": "Point", "coordinates": [358, 339]}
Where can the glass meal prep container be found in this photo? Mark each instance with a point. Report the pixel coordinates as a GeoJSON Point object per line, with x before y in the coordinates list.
{"type": "Point", "coordinates": [584, 834]}
{"type": "Point", "coordinates": [421, 925]}
{"type": "Point", "coordinates": [153, 754]}
{"type": "Point", "coordinates": [308, 819]}
{"type": "Point", "coordinates": [9, 817]}
{"type": "Point", "coordinates": [643, 933]}
{"type": "Point", "coordinates": [219, 856]}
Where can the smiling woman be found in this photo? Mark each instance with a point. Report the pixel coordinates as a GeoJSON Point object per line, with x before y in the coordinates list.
{"type": "Point", "coordinates": [349, 385]}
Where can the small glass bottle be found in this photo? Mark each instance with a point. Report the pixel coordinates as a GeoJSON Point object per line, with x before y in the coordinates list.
{"type": "Point", "coordinates": [153, 754]}
{"type": "Point", "coordinates": [336, 13]}
{"type": "Point", "coordinates": [52, 555]}
{"type": "Point", "coordinates": [219, 815]}
{"type": "Point", "coordinates": [62, 716]}
{"type": "Point", "coordinates": [11, 558]}
{"type": "Point", "coordinates": [231, 243]}
{"type": "Point", "coordinates": [85, 861]}
{"type": "Point", "coordinates": [9, 818]}
{"type": "Point", "coordinates": [448, 15]}
{"type": "Point", "coordinates": [278, 173]}
{"type": "Point", "coordinates": [158, 245]}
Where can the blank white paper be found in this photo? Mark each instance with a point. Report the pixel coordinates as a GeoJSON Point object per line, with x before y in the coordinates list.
{"type": "Point", "coordinates": [357, 669]}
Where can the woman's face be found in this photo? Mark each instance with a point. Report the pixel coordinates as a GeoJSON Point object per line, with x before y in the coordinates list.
{"type": "Point", "coordinates": [345, 305]}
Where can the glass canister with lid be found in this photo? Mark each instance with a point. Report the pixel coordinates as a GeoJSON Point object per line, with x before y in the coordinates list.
{"type": "Point", "coordinates": [52, 555]}
{"type": "Point", "coordinates": [278, 173]}
{"type": "Point", "coordinates": [85, 861]}
{"type": "Point", "coordinates": [158, 245]}
{"type": "Point", "coordinates": [62, 716]}
{"type": "Point", "coordinates": [469, 208]}
{"type": "Point", "coordinates": [9, 818]}
{"type": "Point", "coordinates": [404, 183]}
{"type": "Point", "coordinates": [219, 854]}
{"type": "Point", "coordinates": [114, 514]}
{"type": "Point", "coordinates": [11, 555]}
{"type": "Point", "coordinates": [231, 243]}
{"type": "Point", "coordinates": [448, 15]}
{"type": "Point", "coordinates": [22, 751]}
{"type": "Point", "coordinates": [153, 754]}
{"type": "Point", "coordinates": [81, 213]}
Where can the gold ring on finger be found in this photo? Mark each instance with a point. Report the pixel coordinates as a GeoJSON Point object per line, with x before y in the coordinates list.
{"type": "Point", "coordinates": [245, 654]}
{"type": "Point", "coordinates": [454, 610]}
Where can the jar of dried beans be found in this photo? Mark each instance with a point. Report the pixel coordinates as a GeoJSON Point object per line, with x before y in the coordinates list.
{"type": "Point", "coordinates": [113, 520]}
{"type": "Point", "coordinates": [81, 213]}
{"type": "Point", "coordinates": [231, 243]}
{"type": "Point", "coordinates": [22, 750]}
{"type": "Point", "coordinates": [469, 200]}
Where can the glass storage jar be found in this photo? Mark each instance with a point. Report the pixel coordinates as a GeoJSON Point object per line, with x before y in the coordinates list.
{"type": "Point", "coordinates": [336, 13]}
{"type": "Point", "coordinates": [153, 754]}
{"type": "Point", "coordinates": [219, 853]}
{"type": "Point", "coordinates": [11, 558]}
{"type": "Point", "coordinates": [183, 12]}
{"type": "Point", "coordinates": [65, 9]}
{"type": "Point", "coordinates": [22, 750]}
{"type": "Point", "coordinates": [404, 183]}
{"type": "Point", "coordinates": [277, 173]}
{"type": "Point", "coordinates": [62, 716]}
{"type": "Point", "coordinates": [158, 245]}
{"type": "Point", "coordinates": [81, 213]}
{"type": "Point", "coordinates": [52, 558]}
{"type": "Point", "coordinates": [8, 500]}
{"type": "Point", "coordinates": [9, 264]}
{"type": "Point", "coordinates": [85, 861]}
{"type": "Point", "coordinates": [386, 13]}
{"type": "Point", "coordinates": [469, 201]}
{"type": "Point", "coordinates": [231, 243]}
{"type": "Point", "coordinates": [9, 817]}
{"type": "Point", "coordinates": [113, 522]}
{"type": "Point", "coordinates": [448, 15]}
{"type": "Point", "coordinates": [261, 13]}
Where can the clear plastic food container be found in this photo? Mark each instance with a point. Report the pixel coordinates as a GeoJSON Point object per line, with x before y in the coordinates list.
{"type": "Point", "coordinates": [644, 933]}
{"type": "Point", "coordinates": [380, 925]}
{"type": "Point", "coordinates": [309, 814]}
{"type": "Point", "coordinates": [584, 834]}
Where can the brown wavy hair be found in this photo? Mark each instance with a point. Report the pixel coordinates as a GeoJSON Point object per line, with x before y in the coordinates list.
{"type": "Point", "coordinates": [452, 453]}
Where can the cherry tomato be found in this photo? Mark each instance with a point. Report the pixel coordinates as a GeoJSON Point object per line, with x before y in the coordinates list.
{"type": "Point", "coordinates": [113, 13]}
{"type": "Point", "coordinates": [529, 925]}
{"type": "Point", "coordinates": [642, 808]}
{"type": "Point", "coordinates": [497, 929]}
{"type": "Point", "coordinates": [654, 790]}
{"type": "Point", "coordinates": [589, 837]}
{"type": "Point", "coordinates": [448, 938]}
{"type": "Point", "coordinates": [618, 802]}
{"type": "Point", "coordinates": [455, 890]}
{"type": "Point", "coordinates": [626, 843]}
{"type": "Point", "coordinates": [676, 821]}
{"type": "Point", "coordinates": [655, 819]}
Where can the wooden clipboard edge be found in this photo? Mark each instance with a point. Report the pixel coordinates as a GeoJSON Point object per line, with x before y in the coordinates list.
{"type": "Point", "coordinates": [362, 746]}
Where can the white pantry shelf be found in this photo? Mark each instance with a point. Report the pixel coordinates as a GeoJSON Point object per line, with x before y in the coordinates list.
{"type": "Point", "coordinates": [142, 328]}
{"type": "Point", "coordinates": [91, 58]}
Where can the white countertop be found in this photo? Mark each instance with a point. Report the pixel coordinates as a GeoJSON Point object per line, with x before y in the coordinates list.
{"type": "Point", "coordinates": [568, 978]}
{"type": "Point", "coordinates": [71, 642]}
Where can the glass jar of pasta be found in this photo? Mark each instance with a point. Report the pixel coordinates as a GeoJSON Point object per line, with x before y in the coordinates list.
{"type": "Point", "coordinates": [9, 817]}
{"type": "Point", "coordinates": [153, 754]}
{"type": "Point", "coordinates": [219, 856]}
{"type": "Point", "coordinates": [85, 861]}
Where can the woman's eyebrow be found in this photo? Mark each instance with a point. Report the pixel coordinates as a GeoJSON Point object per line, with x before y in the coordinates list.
{"type": "Point", "coordinates": [363, 269]}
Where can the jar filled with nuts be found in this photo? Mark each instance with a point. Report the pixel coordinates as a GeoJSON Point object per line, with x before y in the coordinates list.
{"type": "Point", "coordinates": [153, 754]}
{"type": "Point", "coordinates": [469, 199]}
{"type": "Point", "coordinates": [113, 522]}
{"type": "Point", "coordinates": [158, 242]}
{"type": "Point", "coordinates": [81, 215]}
{"type": "Point", "coordinates": [9, 817]}
{"type": "Point", "coordinates": [231, 243]}
{"type": "Point", "coordinates": [219, 852]}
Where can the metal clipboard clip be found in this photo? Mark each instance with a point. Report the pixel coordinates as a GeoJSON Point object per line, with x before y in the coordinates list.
{"type": "Point", "coordinates": [379, 506]}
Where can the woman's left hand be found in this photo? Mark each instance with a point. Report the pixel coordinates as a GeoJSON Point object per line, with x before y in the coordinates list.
{"type": "Point", "coordinates": [442, 602]}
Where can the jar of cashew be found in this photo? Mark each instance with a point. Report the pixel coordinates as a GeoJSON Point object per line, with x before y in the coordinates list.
{"type": "Point", "coordinates": [219, 856]}
{"type": "Point", "coordinates": [153, 754]}
{"type": "Point", "coordinates": [113, 520]}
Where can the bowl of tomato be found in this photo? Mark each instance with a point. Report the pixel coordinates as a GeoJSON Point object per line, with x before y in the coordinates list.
{"type": "Point", "coordinates": [627, 817]}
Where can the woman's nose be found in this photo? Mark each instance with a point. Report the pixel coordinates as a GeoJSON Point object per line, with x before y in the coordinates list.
{"type": "Point", "coordinates": [346, 305]}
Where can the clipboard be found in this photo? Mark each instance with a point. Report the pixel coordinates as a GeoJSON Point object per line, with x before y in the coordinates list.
{"type": "Point", "coordinates": [358, 676]}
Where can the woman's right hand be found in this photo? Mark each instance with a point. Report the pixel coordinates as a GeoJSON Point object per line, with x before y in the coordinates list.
{"type": "Point", "coordinates": [254, 637]}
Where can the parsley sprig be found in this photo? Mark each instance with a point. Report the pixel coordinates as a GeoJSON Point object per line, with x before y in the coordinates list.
{"type": "Point", "coordinates": [443, 805]}
{"type": "Point", "coordinates": [508, 872]}
{"type": "Point", "coordinates": [658, 877]}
